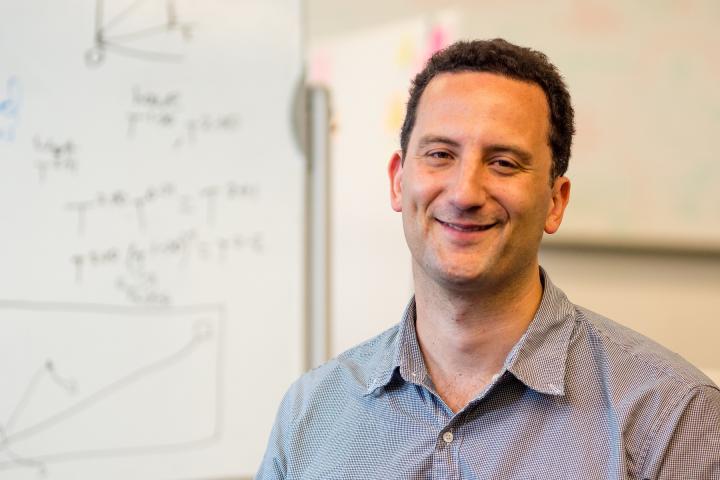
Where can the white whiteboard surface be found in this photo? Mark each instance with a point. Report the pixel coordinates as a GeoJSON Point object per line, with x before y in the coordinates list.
{"type": "Point", "coordinates": [151, 203]}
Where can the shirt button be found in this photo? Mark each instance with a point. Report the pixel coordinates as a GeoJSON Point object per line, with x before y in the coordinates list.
{"type": "Point", "coordinates": [448, 437]}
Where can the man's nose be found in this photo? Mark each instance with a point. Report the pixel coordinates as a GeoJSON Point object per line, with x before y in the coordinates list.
{"type": "Point", "coordinates": [468, 190]}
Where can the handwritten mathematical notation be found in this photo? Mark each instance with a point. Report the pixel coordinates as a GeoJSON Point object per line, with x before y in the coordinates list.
{"type": "Point", "coordinates": [54, 156]}
{"type": "Point", "coordinates": [10, 109]}
{"type": "Point", "coordinates": [136, 265]}
{"type": "Point", "coordinates": [162, 111]}
{"type": "Point", "coordinates": [204, 201]}
{"type": "Point", "coordinates": [189, 246]}
{"type": "Point", "coordinates": [142, 288]}
{"type": "Point", "coordinates": [151, 99]}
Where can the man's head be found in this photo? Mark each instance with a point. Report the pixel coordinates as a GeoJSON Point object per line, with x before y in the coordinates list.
{"type": "Point", "coordinates": [503, 58]}
{"type": "Point", "coordinates": [478, 180]}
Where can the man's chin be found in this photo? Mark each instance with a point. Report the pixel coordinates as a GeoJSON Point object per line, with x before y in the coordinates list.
{"type": "Point", "coordinates": [461, 274]}
{"type": "Point", "coordinates": [464, 279]}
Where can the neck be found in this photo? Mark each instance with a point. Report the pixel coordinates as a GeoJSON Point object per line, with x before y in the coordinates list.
{"type": "Point", "coordinates": [465, 335]}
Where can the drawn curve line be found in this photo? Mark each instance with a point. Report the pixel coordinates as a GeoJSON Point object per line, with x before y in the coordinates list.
{"type": "Point", "coordinates": [88, 402]}
{"type": "Point", "coordinates": [104, 392]}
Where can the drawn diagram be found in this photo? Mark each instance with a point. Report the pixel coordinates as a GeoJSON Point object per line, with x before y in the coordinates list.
{"type": "Point", "coordinates": [145, 29]}
{"type": "Point", "coordinates": [96, 382]}
{"type": "Point", "coordinates": [10, 109]}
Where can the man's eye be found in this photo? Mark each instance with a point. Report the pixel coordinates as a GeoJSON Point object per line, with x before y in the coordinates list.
{"type": "Point", "coordinates": [439, 154]}
{"type": "Point", "coordinates": [504, 165]}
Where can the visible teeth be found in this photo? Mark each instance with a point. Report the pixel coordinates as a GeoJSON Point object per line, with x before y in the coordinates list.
{"type": "Point", "coordinates": [471, 228]}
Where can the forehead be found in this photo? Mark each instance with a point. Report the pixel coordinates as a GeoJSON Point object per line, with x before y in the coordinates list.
{"type": "Point", "coordinates": [483, 102]}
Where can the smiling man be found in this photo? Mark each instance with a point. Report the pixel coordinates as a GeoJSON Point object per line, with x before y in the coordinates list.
{"type": "Point", "coordinates": [492, 372]}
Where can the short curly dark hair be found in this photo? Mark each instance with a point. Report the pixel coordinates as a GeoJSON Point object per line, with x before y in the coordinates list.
{"type": "Point", "coordinates": [504, 58]}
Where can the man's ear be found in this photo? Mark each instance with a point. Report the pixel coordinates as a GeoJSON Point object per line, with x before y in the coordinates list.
{"type": "Point", "coordinates": [395, 169]}
{"type": "Point", "coordinates": [558, 203]}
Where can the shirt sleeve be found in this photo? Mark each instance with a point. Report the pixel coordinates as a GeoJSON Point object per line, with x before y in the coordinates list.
{"type": "Point", "coordinates": [692, 448]}
{"type": "Point", "coordinates": [274, 463]}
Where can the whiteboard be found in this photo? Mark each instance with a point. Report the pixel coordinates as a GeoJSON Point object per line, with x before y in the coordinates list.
{"type": "Point", "coordinates": [151, 202]}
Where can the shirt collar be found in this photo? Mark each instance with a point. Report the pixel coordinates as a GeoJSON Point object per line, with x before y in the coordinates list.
{"type": "Point", "coordinates": [540, 356]}
{"type": "Point", "coordinates": [404, 358]}
{"type": "Point", "coordinates": [538, 359]}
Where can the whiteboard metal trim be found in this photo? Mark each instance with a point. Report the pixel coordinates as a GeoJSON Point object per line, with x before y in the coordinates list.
{"type": "Point", "coordinates": [317, 241]}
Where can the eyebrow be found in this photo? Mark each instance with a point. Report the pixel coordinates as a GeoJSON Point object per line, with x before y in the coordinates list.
{"type": "Point", "coordinates": [430, 139]}
{"type": "Point", "coordinates": [524, 156]}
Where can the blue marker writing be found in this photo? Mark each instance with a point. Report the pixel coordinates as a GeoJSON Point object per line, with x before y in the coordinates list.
{"type": "Point", "coordinates": [10, 109]}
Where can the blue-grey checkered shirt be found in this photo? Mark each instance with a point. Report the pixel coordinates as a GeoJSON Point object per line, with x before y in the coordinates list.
{"type": "Point", "coordinates": [579, 397]}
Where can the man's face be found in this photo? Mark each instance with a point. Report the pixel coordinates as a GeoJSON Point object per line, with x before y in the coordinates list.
{"type": "Point", "coordinates": [474, 189]}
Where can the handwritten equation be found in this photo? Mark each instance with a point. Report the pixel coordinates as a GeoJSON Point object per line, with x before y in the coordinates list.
{"type": "Point", "coordinates": [137, 264]}
{"type": "Point", "coordinates": [205, 202]}
{"type": "Point", "coordinates": [146, 260]}
{"type": "Point", "coordinates": [160, 112]}
{"type": "Point", "coordinates": [54, 157]}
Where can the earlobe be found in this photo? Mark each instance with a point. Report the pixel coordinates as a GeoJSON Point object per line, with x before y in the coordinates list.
{"type": "Point", "coordinates": [395, 169]}
{"type": "Point", "coordinates": [558, 203]}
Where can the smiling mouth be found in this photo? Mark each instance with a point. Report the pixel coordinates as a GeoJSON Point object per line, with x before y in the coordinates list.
{"type": "Point", "coordinates": [467, 227]}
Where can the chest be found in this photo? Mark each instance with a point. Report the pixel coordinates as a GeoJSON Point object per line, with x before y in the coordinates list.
{"type": "Point", "coordinates": [510, 435]}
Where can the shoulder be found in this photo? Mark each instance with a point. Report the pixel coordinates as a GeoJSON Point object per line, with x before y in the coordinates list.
{"type": "Point", "coordinates": [663, 405]}
{"type": "Point", "coordinates": [626, 350]}
{"type": "Point", "coordinates": [641, 381]}
{"type": "Point", "coordinates": [344, 377]}
{"type": "Point", "coordinates": [325, 402]}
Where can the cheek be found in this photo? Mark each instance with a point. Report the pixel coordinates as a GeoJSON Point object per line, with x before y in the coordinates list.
{"type": "Point", "coordinates": [540, 211]}
{"type": "Point", "coordinates": [530, 204]}
{"type": "Point", "coordinates": [513, 198]}
{"type": "Point", "coordinates": [419, 191]}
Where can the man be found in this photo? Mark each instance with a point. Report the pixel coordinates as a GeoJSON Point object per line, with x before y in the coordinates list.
{"type": "Point", "coordinates": [492, 373]}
